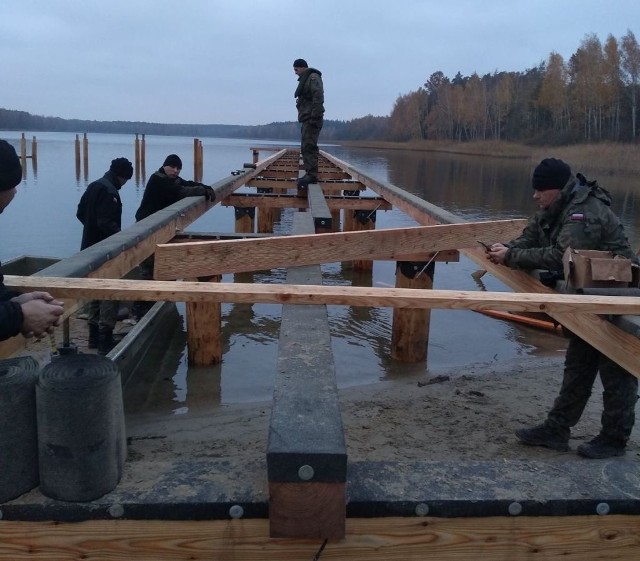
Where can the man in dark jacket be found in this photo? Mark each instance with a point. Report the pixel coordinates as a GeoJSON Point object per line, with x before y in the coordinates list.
{"type": "Point", "coordinates": [31, 313]}
{"type": "Point", "coordinates": [310, 103]}
{"type": "Point", "coordinates": [100, 211]}
{"type": "Point", "coordinates": [164, 188]}
{"type": "Point", "coordinates": [575, 214]}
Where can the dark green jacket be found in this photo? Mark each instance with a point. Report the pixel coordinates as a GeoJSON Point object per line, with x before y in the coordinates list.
{"type": "Point", "coordinates": [310, 96]}
{"type": "Point", "coordinates": [581, 218]}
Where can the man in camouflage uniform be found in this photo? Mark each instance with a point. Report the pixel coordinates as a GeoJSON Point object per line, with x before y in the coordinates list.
{"type": "Point", "coordinates": [575, 214]}
{"type": "Point", "coordinates": [310, 103]}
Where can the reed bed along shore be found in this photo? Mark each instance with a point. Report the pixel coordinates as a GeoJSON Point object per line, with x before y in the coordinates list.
{"type": "Point", "coordinates": [605, 158]}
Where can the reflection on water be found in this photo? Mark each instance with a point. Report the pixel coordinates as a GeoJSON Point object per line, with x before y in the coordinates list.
{"type": "Point", "coordinates": [473, 187]}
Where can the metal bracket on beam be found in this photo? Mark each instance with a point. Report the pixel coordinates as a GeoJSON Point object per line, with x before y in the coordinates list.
{"type": "Point", "coordinates": [413, 269]}
{"type": "Point", "coordinates": [363, 216]}
{"type": "Point", "coordinates": [240, 212]}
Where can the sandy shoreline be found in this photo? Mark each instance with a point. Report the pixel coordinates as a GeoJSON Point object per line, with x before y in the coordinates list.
{"type": "Point", "coordinates": [450, 417]}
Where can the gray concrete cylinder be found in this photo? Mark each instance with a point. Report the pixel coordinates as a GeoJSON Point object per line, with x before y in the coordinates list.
{"type": "Point", "coordinates": [18, 430]}
{"type": "Point", "coordinates": [81, 433]}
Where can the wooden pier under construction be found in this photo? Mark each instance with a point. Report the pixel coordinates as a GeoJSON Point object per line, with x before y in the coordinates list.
{"type": "Point", "coordinates": [304, 498]}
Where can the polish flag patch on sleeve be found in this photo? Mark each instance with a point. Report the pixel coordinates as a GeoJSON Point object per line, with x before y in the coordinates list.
{"type": "Point", "coordinates": [577, 217]}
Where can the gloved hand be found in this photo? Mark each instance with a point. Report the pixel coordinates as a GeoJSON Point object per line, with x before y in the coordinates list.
{"type": "Point", "coordinates": [209, 193]}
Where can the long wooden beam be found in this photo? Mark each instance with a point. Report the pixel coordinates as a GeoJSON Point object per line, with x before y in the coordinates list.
{"type": "Point", "coordinates": [186, 291]}
{"type": "Point", "coordinates": [209, 258]}
{"type": "Point", "coordinates": [306, 425]}
{"type": "Point", "coordinates": [513, 538]}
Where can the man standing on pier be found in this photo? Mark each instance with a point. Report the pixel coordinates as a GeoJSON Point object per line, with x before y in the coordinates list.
{"type": "Point", "coordinates": [31, 313]}
{"type": "Point", "coordinates": [100, 211]}
{"type": "Point", "coordinates": [310, 103]}
{"type": "Point", "coordinates": [575, 213]}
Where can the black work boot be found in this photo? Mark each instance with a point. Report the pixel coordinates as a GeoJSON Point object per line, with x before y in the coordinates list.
{"type": "Point", "coordinates": [306, 179]}
{"type": "Point", "coordinates": [93, 336]}
{"type": "Point", "coordinates": [106, 340]}
{"type": "Point", "coordinates": [541, 435]}
{"type": "Point", "coordinates": [601, 447]}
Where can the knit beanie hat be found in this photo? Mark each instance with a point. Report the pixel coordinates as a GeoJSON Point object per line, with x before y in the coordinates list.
{"type": "Point", "coordinates": [10, 168]}
{"type": "Point", "coordinates": [122, 168]}
{"type": "Point", "coordinates": [173, 160]}
{"type": "Point", "coordinates": [300, 63]}
{"type": "Point", "coordinates": [550, 173]}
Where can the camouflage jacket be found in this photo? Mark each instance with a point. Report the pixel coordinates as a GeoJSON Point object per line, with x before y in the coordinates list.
{"type": "Point", "coordinates": [581, 218]}
{"type": "Point", "coordinates": [310, 96]}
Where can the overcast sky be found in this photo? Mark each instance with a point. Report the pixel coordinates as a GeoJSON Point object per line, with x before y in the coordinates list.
{"type": "Point", "coordinates": [230, 61]}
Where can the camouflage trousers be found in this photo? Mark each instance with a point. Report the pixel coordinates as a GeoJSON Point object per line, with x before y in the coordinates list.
{"type": "Point", "coordinates": [103, 313]}
{"type": "Point", "coordinates": [581, 366]}
{"type": "Point", "coordinates": [309, 146]}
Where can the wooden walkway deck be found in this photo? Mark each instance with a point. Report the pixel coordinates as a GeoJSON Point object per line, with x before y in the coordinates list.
{"type": "Point", "coordinates": [306, 489]}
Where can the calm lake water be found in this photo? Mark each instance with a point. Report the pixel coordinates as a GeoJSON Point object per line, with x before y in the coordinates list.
{"type": "Point", "coordinates": [41, 221]}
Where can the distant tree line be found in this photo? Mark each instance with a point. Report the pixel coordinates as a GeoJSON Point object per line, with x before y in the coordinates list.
{"type": "Point", "coordinates": [366, 128]}
{"type": "Point", "coordinates": [589, 98]}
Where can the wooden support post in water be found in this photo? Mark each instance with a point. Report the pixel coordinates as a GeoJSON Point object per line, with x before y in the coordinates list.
{"type": "Point", "coordinates": [34, 154]}
{"type": "Point", "coordinates": [23, 156]}
{"type": "Point", "coordinates": [136, 150]}
{"type": "Point", "coordinates": [197, 159]}
{"type": "Point", "coordinates": [363, 220]}
{"type": "Point", "coordinates": [256, 156]}
{"type": "Point", "coordinates": [85, 155]}
{"type": "Point", "coordinates": [266, 215]}
{"type": "Point", "coordinates": [143, 158]}
{"type": "Point", "coordinates": [410, 330]}
{"type": "Point", "coordinates": [245, 220]}
{"type": "Point", "coordinates": [77, 152]}
{"type": "Point", "coordinates": [204, 330]}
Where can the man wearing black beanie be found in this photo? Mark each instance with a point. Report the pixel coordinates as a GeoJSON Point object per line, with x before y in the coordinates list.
{"type": "Point", "coordinates": [310, 104]}
{"type": "Point", "coordinates": [31, 313]}
{"type": "Point", "coordinates": [576, 214]}
{"type": "Point", "coordinates": [100, 211]}
{"type": "Point", "coordinates": [164, 188]}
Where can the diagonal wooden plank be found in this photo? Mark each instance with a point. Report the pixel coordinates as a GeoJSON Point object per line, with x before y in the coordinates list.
{"type": "Point", "coordinates": [620, 346]}
{"type": "Point", "coordinates": [211, 258]}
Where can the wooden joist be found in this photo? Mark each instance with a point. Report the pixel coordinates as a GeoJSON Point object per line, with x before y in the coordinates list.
{"type": "Point", "coordinates": [335, 202]}
{"type": "Point", "coordinates": [207, 258]}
